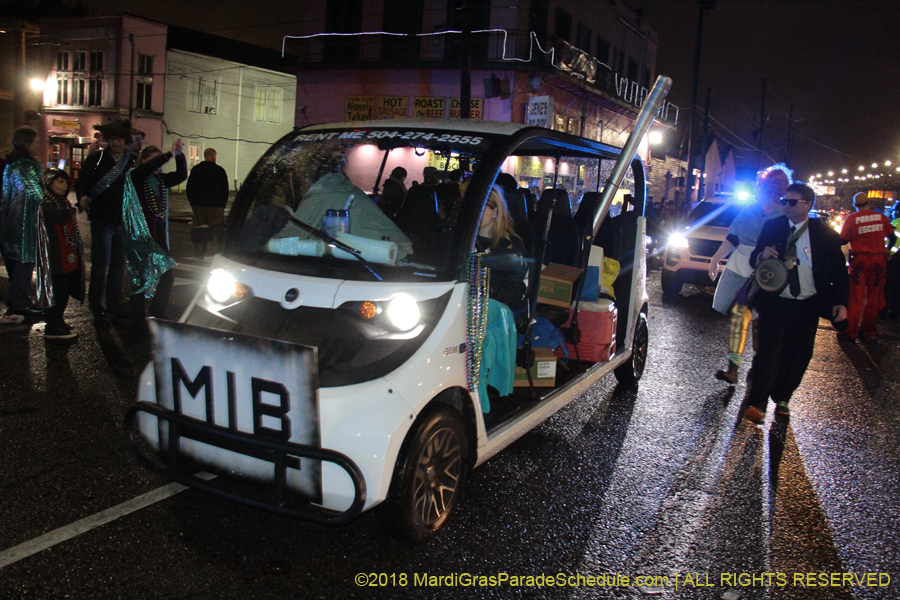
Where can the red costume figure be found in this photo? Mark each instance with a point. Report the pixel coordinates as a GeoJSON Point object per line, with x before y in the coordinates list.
{"type": "Point", "coordinates": [866, 231]}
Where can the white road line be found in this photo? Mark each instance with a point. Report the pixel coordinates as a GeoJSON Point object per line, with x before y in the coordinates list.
{"type": "Point", "coordinates": [48, 540]}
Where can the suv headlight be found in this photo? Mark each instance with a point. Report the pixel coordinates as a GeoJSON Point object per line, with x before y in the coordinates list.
{"type": "Point", "coordinates": [678, 240]}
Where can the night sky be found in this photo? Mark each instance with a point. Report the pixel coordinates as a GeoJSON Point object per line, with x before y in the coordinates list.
{"type": "Point", "coordinates": [838, 63]}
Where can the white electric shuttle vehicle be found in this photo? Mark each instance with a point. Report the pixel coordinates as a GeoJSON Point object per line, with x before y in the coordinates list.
{"type": "Point", "coordinates": [328, 368]}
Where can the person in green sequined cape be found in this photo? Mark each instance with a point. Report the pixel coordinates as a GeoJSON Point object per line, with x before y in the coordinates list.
{"type": "Point", "coordinates": [146, 230]}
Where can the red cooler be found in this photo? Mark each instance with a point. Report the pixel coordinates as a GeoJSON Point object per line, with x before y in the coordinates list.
{"type": "Point", "coordinates": [597, 323]}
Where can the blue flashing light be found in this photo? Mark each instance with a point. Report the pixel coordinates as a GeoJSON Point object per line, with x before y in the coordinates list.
{"type": "Point", "coordinates": [743, 194]}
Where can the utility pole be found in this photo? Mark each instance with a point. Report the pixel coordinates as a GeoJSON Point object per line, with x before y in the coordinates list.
{"type": "Point", "coordinates": [703, 147]}
{"type": "Point", "coordinates": [703, 5]}
{"type": "Point", "coordinates": [465, 72]}
{"type": "Point", "coordinates": [762, 127]}
{"type": "Point", "coordinates": [789, 147]}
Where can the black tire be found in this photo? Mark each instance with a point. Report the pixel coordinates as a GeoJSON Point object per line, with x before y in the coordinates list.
{"type": "Point", "coordinates": [670, 284]}
{"type": "Point", "coordinates": [429, 476]}
{"type": "Point", "coordinates": [631, 371]}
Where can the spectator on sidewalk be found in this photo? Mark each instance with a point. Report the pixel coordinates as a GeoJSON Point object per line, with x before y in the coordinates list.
{"type": "Point", "coordinates": [207, 191]}
{"type": "Point", "coordinates": [149, 265]}
{"type": "Point", "coordinates": [23, 190]}
{"type": "Point", "coordinates": [100, 188]}
{"type": "Point", "coordinates": [64, 251]}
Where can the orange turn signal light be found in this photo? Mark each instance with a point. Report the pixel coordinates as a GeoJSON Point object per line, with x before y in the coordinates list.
{"type": "Point", "coordinates": [367, 309]}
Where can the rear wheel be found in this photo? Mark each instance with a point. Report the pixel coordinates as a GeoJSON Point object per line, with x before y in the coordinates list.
{"type": "Point", "coordinates": [429, 476]}
{"type": "Point", "coordinates": [670, 283]}
{"type": "Point", "coordinates": [630, 372]}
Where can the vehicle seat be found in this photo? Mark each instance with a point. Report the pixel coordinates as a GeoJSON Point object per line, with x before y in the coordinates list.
{"type": "Point", "coordinates": [584, 220]}
{"type": "Point", "coordinates": [564, 238]}
{"type": "Point", "coordinates": [418, 218]}
{"type": "Point", "coordinates": [518, 210]}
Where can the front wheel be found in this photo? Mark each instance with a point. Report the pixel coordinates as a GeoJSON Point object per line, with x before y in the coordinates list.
{"type": "Point", "coordinates": [630, 372]}
{"type": "Point", "coordinates": [429, 476]}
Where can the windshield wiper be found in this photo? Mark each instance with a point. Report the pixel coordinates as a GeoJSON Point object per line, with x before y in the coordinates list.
{"type": "Point", "coordinates": [357, 254]}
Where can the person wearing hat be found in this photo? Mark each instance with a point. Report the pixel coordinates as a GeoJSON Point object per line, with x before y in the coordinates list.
{"type": "Point", "coordinates": [865, 231]}
{"type": "Point", "coordinates": [816, 286]}
{"type": "Point", "coordinates": [100, 188]}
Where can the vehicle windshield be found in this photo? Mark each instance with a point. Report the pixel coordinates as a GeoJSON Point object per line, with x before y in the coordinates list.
{"type": "Point", "coordinates": [390, 204]}
{"type": "Point", "coordinates": [391, 197]}
{"type": "Point", "coordinates": [714, 214]}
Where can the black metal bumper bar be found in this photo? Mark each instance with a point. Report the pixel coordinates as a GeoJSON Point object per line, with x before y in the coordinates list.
{"type": "Point", "coordinates": [275, 451]}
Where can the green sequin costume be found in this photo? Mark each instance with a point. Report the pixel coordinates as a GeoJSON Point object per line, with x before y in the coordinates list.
{"type": "Point", "coordinates": [23, 191]}
{"type": "Point", "coordinates": [146, 260]}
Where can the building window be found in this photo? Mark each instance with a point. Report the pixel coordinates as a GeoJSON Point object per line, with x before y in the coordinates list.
{"type": "Point", "coordinates": [583, 38]}
{"type": "Point", "coordinates": [632, 70]}
{"type": "Point", "coordinates": [95, 92]}
{"type": "Point", "coordinates": [563, 25]}
{"type": "Point", "coordinates": [78, 92]}
{"type": "Point", "coordinates": [145, 64]}
{"type": "Point", "coordinates": [144, 100]}
{"type": "Point", "coordinates": [96, 60]}
{"type": "Point", "coordinates": [203, 96]}
{"type": "Point", "coordinates": [62, 89]}
{"type": "Point", "coordinates": [62, 61]}
{"type": "Point", "coordinates": [645, 78]}
{"type": "Point", "coordinates": [268, 104]}
{"type": "Point", "coordinates": [78, 61]}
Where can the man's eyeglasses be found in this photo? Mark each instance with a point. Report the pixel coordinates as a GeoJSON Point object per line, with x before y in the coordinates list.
{"type": "Point", "coordinates": [791, 201]}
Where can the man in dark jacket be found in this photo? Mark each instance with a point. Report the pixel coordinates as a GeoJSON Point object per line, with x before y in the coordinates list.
{"type": "Point", "coordinates": [818, 286]}
{"type": "Point", "coordinates": [207, 191]}
{"type": "Point", "coordinates": [100, 189]}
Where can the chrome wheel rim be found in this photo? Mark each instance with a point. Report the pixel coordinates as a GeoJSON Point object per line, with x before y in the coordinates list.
{"type": "Point", "coordinates": [437, 476]}
{"type": "Point", "coordinates": [641, 339]}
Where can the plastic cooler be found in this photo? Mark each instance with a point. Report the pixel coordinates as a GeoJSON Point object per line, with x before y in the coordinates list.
{"type": "Point", "coordinates": [597, 323]}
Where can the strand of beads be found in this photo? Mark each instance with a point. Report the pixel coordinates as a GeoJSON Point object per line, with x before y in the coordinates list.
{"type": "Point", "coordinates": [73, 237]}
{"type": "Point", "coordinates": [150, 196]}
{"type": "Point", "coordinates": [476, 318]}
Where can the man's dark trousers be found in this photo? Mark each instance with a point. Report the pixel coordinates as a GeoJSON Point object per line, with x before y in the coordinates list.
{"type": "Point", "coordinates": [787, 338]}
{"type": "Point", "coordinates": [107, 255]}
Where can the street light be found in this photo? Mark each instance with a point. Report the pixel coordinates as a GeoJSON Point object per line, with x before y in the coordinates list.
{"type": "Point", "coordinates": [37, 84]}
{"type": "Point", "coordinates": [655, 137]}
{"type": "Point", "coordinates": [862, 168]}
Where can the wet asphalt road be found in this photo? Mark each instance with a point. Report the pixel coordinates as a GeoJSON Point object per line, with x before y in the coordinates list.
{"type": "Point", "coordinates": [659, 481]}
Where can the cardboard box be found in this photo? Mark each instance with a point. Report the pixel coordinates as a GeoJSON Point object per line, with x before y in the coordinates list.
{"type": "Point", "coordinates": [556, 285]}
{"type": "Point", "coordinates": [543, 371]}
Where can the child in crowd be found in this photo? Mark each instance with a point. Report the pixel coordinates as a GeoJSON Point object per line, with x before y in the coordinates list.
{"type": "Point", "coordinates": [65, 253]}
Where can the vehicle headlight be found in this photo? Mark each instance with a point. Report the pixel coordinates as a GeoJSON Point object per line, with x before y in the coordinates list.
{"type": "Point", "coordinates": [403, 312]}
{"type": "Point", "coordinates": [221, 286]}
{"type": "Point", "coordinates": [678, 240]}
